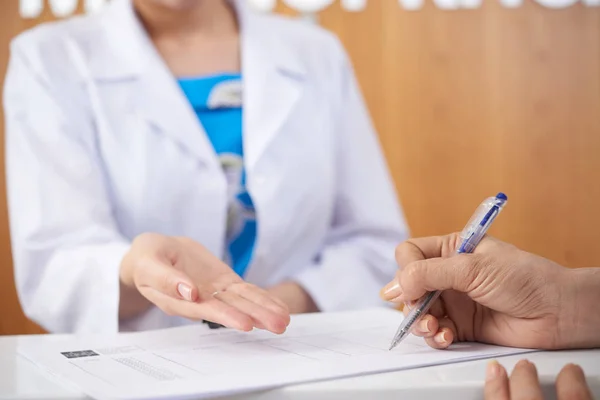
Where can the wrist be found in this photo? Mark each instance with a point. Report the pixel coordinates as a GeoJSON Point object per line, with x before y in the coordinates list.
{"type": "Point", "coordinates": [579, 324]}
{"type": "Point", "coordinates": [126, 271]}
{"type": "Point", "coordinates": [131, 301]}
{"type": "Point", "coordinates": [295, 297]}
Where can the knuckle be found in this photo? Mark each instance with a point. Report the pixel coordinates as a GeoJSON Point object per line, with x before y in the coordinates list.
{"type": "Point", "coordinates": [402, 253]}
{"type": "Point", "coordinates": [184, 240]}
{"type": "Point", "coordinates": [409, 272]}
{"type": "Point", "coordinates": [140, 267]}
{"type": "Point", "coordinates": [145, 260]}
{"type": "Point", "coordinates": [412, 273]}
{"type": "Point", "coordinates": [398, 251]}
{"type": "Point", "coordinates": [165, 283]}
{"type": "Point", "coordinates": [143, 263]}
{"type": "Point", "coordinates": [450, 243]}
{"type": "Point", "coordinates": [204, 296]}
{"type": "Point", "coordinates": [480, 262]}
{"type": "Point", "coordinates": [248, 288]}
{"type": "Point", "coordinates": [146, 238]}
{"type": "Point", "coordinates": [241, 286]}
{"type": "Point", "coordinates": [470, 270]}
{"type": "Point", "coordinates": [475, 264]}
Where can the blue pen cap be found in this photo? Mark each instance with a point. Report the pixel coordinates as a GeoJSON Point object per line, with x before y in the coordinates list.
{"type": "Point", "coordinates": [479, 223]}
{"type": "Point", "coordinates": [483, 213]}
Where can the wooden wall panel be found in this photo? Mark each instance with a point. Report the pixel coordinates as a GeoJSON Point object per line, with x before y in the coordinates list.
{"type": "Point", "coordinates": [471, 102]}
{"type": "Point", "coordinates": [11, 317]}
{"type": "Point", "coordinates": [467, 103]}
{"type": "Point", "coordinates": [12, 320]}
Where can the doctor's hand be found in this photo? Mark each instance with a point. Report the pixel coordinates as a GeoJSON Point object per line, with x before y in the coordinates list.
{"type": "Point", "coordinates": [524, 383]}
{"type": "Point", "coordinates": [182, 278]}
{"type": "Point", "coordinates": [499, 295]}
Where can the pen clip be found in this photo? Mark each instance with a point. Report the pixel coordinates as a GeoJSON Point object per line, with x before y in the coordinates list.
{"type": "Point", "coordinates": [479, 223]}
{"type": "Point", "coordinates": [472, 226]}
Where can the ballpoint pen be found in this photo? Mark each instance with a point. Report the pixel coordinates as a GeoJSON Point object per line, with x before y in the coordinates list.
{"type": "Point", "coordinates": [471, 235]}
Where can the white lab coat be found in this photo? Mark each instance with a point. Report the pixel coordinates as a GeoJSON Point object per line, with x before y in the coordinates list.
{"type": "Point", "coordinates": [103, 146]}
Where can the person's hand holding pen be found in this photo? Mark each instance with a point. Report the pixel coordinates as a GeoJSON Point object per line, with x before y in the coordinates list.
{"type": "Point", "coordinates": [499, 295]}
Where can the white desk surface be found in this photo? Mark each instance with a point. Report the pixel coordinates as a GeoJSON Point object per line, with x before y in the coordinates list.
{"type": "Point", "coordinates": [20, 379]}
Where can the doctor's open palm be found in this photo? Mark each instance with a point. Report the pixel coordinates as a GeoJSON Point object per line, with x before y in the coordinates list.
{"type": "Point", "coordinates": [182, 278]}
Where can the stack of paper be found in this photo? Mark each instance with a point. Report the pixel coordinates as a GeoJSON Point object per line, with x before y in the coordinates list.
{"type": "Point", "coordinates": [194, 362]}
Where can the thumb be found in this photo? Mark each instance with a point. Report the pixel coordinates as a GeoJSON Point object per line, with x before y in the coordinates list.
{"type": "Point", "coordinates": [163, 277]}
{"type": "Point", "coordinates": [456, 273]}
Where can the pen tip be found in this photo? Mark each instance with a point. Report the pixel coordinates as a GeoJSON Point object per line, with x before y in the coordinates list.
{"type": "Point", "coordinates": [397, 339]}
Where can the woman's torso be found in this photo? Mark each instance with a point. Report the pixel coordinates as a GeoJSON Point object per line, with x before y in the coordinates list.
{"type": "Point", "coordinates": [161, 170]}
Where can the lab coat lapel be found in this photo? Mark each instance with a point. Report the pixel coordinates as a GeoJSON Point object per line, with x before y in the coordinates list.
{"type": "Point", "coordinates": [273, 77]}
{"type": "Point", "coordinates": [157, 96]}
{"type": "Point", "coordinates": [163, 104]}
{"type": "Point", "coordinates": [273, 82]}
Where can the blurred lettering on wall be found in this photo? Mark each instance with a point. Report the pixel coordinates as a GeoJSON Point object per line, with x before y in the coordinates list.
{"type": "Point", "coordinates": [60, 8]}
{"type": "Point", "coordinates": [64, 8]}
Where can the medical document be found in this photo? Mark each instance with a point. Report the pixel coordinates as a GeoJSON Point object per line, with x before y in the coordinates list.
{"type": "Point", "coordinates": [194, 362]}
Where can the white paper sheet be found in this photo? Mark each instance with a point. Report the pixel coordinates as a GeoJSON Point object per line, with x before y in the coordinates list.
{"type": "Point", "coordinates": [193, 362]}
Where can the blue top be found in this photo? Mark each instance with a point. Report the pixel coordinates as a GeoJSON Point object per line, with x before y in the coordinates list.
{"type": "Point", "coordinates": [217, 101]}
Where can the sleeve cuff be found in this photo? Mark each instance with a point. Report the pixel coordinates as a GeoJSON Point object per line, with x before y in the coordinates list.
{"type": "Point", "coordinates": [332, 291]}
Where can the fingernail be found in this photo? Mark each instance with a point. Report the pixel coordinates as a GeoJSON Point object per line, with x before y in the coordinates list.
{"type": "Point", "coordinates": [522, 363]}
{"type": "Point", "coordinates": [441, 338]}
{"type": "Point", "coordinates": [493, 370]}
{"type": "Point", "coordinates": [391, 291]}
{"type": "Point", "coordinates": [424, 325]}
{"type": "Point", "coordinates": [445, 337]}
{"type": "Point", "coordinates": [399, 299]}
{"type": "Point", "coordinates": [571, 365]}
{"type": "Point", "coordinates": [185, 291]}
